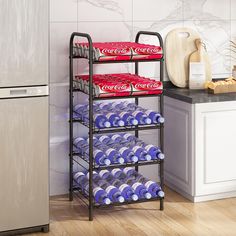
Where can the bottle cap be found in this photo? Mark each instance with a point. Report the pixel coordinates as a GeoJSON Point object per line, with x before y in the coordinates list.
{"type": "Point", "coordinates": [148, 157]}
{"type": "Point", "coordinates": [107, 201]}
{"type": "Point", "coordinates": [107, 162]}
{"type": "Point", "coordinates": [161, 193]}
{"type": "Point", "coordinates": [134, 158]}
{"type": "Point", "coordinates": [107, 124]}
{"type": "Point", "coordinates": [161, 120]}
{"type": "Point", "coordinates": [148, 195]}
{"type": "Point", "coordinates": [161, 156]}
{"type": "Point", "coordinates": [134, 197]}
{"type": "Point", "coordinates": [135, 122]}
{"type": "Point", "coordinates": [121, 199]}
{"type": "Point", "coordinates": [121, 123]}
{"type": "Point", "coordinates": [121, 160]}
{"type": "Point", "coordinates": [148, 121]}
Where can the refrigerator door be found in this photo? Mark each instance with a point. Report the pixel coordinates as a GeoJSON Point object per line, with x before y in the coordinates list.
{"type": "Point", "coordinates": [23, 42]}
{"type": "Point", "coordinates": [24, 195]}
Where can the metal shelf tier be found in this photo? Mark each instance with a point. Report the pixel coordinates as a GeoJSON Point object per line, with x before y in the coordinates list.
{"type": "Point", "coordinates": [77, 191]}
{"type": "Point", "coordinates": [119, 129]}
{"type": "Point", "coordinates": [112, 166]}
{"type": "Point", "coordinates": [119, 97]}
{"type": "Point", "coordinates": [90, 163]}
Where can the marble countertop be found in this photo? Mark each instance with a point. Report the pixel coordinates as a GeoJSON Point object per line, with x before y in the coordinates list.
{"type": "Point", "coordinates": [195, 96]}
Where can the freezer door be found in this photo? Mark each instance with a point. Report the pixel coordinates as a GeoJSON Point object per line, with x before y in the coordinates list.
{"type": "Point", "coordinates": [24, 195]}
{"type": "Point", "coordinates": [23, 42]}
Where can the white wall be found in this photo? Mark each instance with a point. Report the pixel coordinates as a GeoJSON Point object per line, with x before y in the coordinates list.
{"type": "Point", "coordinates": [114, 20]}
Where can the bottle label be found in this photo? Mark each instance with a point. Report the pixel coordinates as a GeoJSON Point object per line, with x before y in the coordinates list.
{"type": "Point", "coordinates": [135, 113]}
{"type": "Point", "coordinates": [78, 174]}
{"type": "Point", "coordinates": [103, 137]}
{"type": "Point", "coordinates": [94, 172]}
{"type": "Point", "coordinates": [126, 136]}
{"type": "Point", "coordinates": [148, 184]}
{"type": "Point", "coordinates": [123, 186]}
{"type": "Point", "coordinates": [149, 146]}
{"type": "Point", "coordinates": [96, 151]}
{"type": "Point", "coordinates": [122, 114]}
{"type": "Point", "coordinates": [122, 150]}
{"type": "Point", "coordinates": [135, 185]}
{"type": "Point", "coordinates": [135, 148]}
{"type": "Point", "coordinates": [148, 112]}
{"type": "Point", "coordinates": [108, 151]}
{"type": "Point", "coordinates": [114, 171]}
{"type": "Point", "coordinates": [102, 105]}
{"type": "Point", "coordinates": [102, 172]}
{"type": "Point", "coordinates": [79, 139]}
{"type": "Point", "coordinates": [96, 115]}
{"type": "Point", "coordinates": [109, 188]}
{"type": "Point", "coordinates": [108, 115]}
{"type": "Point", "coordinates": [95, 190]}
{"type": "Point", "coordinates": [197, 75]}
{"type": "Point", "coordinates": [114, 137]}
{"type": "Point", "coordinates": [126, 169]}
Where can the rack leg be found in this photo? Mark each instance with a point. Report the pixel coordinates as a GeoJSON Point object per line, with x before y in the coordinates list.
{"type": "Point", "coordinates": [162, 204]}
{"type": "Point", "coordinates": [90, 211]}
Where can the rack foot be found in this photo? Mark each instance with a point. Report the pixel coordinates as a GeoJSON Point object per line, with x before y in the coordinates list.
{"type": "Point", "coordinates": [71, 198]}
{"type": "Point", "coordinates": [161, 204]}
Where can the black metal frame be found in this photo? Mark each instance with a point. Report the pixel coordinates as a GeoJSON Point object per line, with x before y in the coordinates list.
{"type": "Point", "coordinates": [91, 128]}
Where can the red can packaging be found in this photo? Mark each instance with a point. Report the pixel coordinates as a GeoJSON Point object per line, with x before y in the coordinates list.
{"type": "Point", "coordinates": [140, 87]}
{"type": "Point", "coordinates": [145, 51]}
{"type": "Point", "coordinates": [109, 89]}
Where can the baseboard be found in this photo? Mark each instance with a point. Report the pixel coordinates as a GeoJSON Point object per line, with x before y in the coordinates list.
{"type": "Point", "coordinates": [202, 198]}
{"type": "Point", "coordinates": [41, 228]}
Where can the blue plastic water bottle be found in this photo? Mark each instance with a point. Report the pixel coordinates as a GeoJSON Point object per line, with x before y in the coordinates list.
{"type": "Point", "coordinates": [127, 154]}
{"type": "Point", "coordinates": [129, 171]}
{"type": "Point", "coordinates": [99, 156]}
{"type": "Point", "coordinates": [99, 194]}
{"type": "Point", "coordinates": [155, 116]}
{"type": "Point", "coordinates": [128, 118]}
{"type": "Point", "coordinates": [141, 153]}
{"type": "Point", "coordinates": [114, 119]}
{"type": "Point", "coordinates": [118, 173]}
{"type": "Point", "coordinates": [141, 117]}
{"type": "Point", "coordinates": [154, 152]}
{"type": "Point", "coordinates": [126, 191]}
{"type": "Point", "coordinates": [139, 189]}
{"type": "Point", "coordinates": [79, 109]}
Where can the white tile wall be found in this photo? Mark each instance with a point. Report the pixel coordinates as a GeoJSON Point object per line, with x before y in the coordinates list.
{"type": "Point", "coordinates": [109, 20]}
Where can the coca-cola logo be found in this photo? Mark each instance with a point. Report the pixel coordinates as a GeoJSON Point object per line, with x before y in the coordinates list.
{"type": "Point", "coordinates": [114, 88]}
{"type": "Point", "coordinates": [149, 51]}
{"type": "Point", "coordinates": [148, 86]}
{"type": "Point", "coordinates": [114, 51]}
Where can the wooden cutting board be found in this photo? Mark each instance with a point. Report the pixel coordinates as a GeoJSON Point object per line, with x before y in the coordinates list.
{"type": "Point", "coordinates": [179, 44]}
{"type": "Point", "coordinates": [201, 56]}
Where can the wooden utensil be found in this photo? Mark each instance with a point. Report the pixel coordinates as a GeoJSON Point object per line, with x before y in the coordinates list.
{"type": "Point", "coordinates": [201, 56]}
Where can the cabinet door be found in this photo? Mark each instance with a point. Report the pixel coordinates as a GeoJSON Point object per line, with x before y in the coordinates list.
{"type": "Point", "coordinates": [215, 150]}
{"type": "Point", "coordinates": [24, 199]}
{"type": "Point", "coordinates": [23, 42]}
{"type": "Point", "coordinates": [178, 145]}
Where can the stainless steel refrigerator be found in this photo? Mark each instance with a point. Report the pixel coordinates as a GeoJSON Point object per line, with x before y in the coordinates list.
{"type": "Point", "coordinates": [24, 195]}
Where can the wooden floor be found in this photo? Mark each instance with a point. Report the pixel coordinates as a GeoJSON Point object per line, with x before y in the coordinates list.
{"type": "Point", "coordinates": [180, 217]}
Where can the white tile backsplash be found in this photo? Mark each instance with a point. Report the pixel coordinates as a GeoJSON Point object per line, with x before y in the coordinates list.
{"type": "Point", "coordinates": [120, 20]}
{"type": "Point", "coordinates": [233, 9]}
{"type": "Point", "coordinates": [155, 10]}
{"type": "Point", "coordinates": [206, 9]}
{"type": "Point", "coordinates": [63, 10]}
{"type": "Point", "coordinates": [108, 10]}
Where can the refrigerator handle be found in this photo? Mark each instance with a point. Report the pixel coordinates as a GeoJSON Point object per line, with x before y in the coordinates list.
{"type": "Point", "coordinates": [23, 92]}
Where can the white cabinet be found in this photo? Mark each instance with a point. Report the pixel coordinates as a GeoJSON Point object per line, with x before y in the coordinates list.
{"type": "Point", "coordinates": [200, 149]}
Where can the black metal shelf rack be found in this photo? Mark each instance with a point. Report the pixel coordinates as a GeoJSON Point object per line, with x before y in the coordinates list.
{"type": "Point", "coordinates": [91, 166]}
